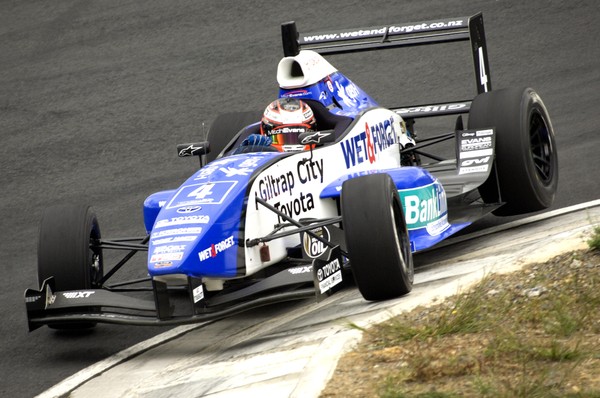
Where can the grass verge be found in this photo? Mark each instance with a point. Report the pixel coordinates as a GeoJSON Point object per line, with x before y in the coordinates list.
{"type": "Point", "coordinates": [533, 333]}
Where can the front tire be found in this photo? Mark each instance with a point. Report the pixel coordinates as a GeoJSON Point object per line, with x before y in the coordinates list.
{"type": "Point", "coordinates": [67, 251]}
{"type": "Point", "coordinates": [525, 174]}
{"type": "Point", "coordinates": [376, 237]}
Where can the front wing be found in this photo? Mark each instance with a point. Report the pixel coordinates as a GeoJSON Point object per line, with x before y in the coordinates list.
{"type": "Point", "coordinates": [166, 305]}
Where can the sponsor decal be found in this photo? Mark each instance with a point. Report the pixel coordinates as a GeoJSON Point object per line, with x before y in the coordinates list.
{"type": "Point", "coordinates": [252, 161]}
{"type": "Point", "coordinates": [474, 161]}
{"type": "Point", "coordinates": [188, 209]}
{"type": "Point", "coordinates": [349, 93]}
{"type": "Point", "coordinates": [177, 231]}
{"type": "Point", "coordinates": [432, 108]}
{"type": "Point", "coordinates": [300, 270]}
{"type": "Point", "coordinates": [483, 133]}
{"type": "Point", "coordinates": [424, 205]}
{"type": "Point", "coordinates": [75, 295]}
{"type": "Point", "coordinates": [329, 275]}
{"type": "Point", "coordinates": [163, 264]}
{"type": "Point", "coordinates": [296, 206]}
{"type": "Point", "coordinates": [309, 170]}
{"type": "Point", "coordinates": [232, 171]}
{"type": "Point", "coordinates": [477, 154]}
{"type": "Point", "coordinates": [216, 248]}
{"type": "Point", "coordinates": [285, 187]}
{"type": "Point", "coordinates": [474, 169]}
{"type": "Point", "coordinates": [168, 249]}
{"type": "Point", "coordinates": [270, 187]}
{"type": "Point", "coordinates": [292, 148]}
{"type": "Point", "coordinates": [314, 138]}
{"type": "Point", "coordinates": [474, 144]}
{"type": "Point", "coordinates": [296, 93]}
{"type": "Point", "coordinates": [365, 146]}
{"type": "Point", "coordinates": [174, 239]}
{"type": "Point", "coordinates": [206, 172]}
{"type": "Point", "coordinates": [329, 84]}
{"type": "Point", "coordinates": [190, 150]}
{"type": "Point", "coordinates": [155, 258]}
{"type": "Point", "coordinates": [198, 294]}
{"type": "Point", "coordinates": [32, 299]}
{"type": "Point", "coordinates": [385, 30]}
{"type": "Point", "coordinates": [182, 220]}
{"type": "Point", "coordinates": [314, 247]}
{"type": "Point", "coordinates": [437, 227]}
{"type": "Point", "coordinates": [287, 130]}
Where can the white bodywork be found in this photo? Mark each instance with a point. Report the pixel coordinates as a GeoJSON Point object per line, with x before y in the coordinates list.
{"type": "Point", "coordinates": [293, 184]}
{"type": "Point", "coordinates": [305, 69]}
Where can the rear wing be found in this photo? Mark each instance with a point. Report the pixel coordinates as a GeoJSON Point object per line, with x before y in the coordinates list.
{"type": "Point", "coordinates": [401, 35]}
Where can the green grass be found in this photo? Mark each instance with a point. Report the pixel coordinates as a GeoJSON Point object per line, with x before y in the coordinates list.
{"type": "Point", "coordinates": [532, 333]}
{"type": "Point", "coordinates": [520, 335]}
{"type": "Point", "coordinates": [594, 241]}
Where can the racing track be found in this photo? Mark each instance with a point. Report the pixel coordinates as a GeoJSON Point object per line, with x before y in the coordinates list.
{"type": "Point", "coordinates": [94, 96]}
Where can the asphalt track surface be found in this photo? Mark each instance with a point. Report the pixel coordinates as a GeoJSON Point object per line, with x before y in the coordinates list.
{"type": "Point", "coordinates": [94, 97]}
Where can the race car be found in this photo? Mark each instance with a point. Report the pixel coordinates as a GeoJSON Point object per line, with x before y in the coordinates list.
{"type": "Point", "coordinates": [259, 227]}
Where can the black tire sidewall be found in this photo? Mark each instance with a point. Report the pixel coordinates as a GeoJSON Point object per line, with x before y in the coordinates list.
{"type": "Point", "coordinates": [381, 271]}
{"type": "Point", "coordinates": [510, 112]}
{"type": "Point", "coordinates": [64, 247]}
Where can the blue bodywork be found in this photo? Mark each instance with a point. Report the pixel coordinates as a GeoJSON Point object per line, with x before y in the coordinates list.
{"type": "Point", "coordinates": [413, 183]}
{"type": "Point", "coordinates": [196, 229]}
{"type": "Point", "coordinates": [209, 208]}
{"type": "Point", "coordinates": [337, 93]}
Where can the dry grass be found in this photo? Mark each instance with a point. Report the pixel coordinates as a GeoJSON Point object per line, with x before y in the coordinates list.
{"type": "Point", "coordinates": [533, 333]}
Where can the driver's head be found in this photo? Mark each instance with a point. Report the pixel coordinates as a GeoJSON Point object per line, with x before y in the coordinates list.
{"type": "Point", "coordinates": [284, 119]}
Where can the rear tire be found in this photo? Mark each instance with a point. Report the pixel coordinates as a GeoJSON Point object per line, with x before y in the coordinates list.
{"type": "Point", "coordinates": [225, 128]}
{"type": "Point", "coordinates": [376, 237]}
{"type": "Point", "coordinates": [65, 252]}
{"type": "Point", "coordinates": [526, 166]}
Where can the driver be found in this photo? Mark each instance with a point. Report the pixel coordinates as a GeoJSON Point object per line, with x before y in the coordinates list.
{"type": "Point", "coordinates": [283, 121]}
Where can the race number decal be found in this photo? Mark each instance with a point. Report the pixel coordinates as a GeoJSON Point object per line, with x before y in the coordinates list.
{"type": "Point", "coordinates": [209, 193]}
{"type": "Point", "coordinates": [483, 78]}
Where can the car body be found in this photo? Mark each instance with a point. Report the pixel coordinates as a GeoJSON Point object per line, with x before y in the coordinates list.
{"type": "Point", "coordinates": [254, 228]}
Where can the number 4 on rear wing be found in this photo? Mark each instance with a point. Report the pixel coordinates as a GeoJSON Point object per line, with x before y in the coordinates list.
{"type": "Point", "coordinates": [396, 35]}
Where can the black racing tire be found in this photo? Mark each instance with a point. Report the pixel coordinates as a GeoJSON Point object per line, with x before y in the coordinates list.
{"type": "Point", "coordinates": [65, 252]}
{"type": "Point", "coordinates": [525, 173]}
{"type": "Point", "coordinates": [225, 128]}
{"type": "Point", "coordinates": [376, 237]}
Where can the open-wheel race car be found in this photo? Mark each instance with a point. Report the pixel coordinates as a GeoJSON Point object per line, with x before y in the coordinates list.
{"type": "Point", "coordinates": [261, 226]}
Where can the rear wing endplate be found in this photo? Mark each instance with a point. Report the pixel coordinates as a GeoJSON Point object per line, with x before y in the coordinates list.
{"type": "Point", "coordinates": [396, 35]}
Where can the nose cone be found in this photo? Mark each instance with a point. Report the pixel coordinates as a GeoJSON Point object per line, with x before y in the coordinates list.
{"type": "Point", "coordinates": [197, 232]}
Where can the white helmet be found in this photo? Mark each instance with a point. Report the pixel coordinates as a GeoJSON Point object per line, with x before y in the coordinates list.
{"type": "Point", "coordinates": [284, 119]}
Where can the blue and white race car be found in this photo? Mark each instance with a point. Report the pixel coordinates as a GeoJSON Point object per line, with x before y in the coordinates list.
{"type": "Point", "coordinates": [253, 228]}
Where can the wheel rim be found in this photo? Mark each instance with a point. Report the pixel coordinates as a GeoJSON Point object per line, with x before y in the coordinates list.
{"type": "Point", "coordinates": [403, 247]}
{"type": "Point", "coordinates": [542, 151]}
{"type": "Point", "coordinates": [95, 258]}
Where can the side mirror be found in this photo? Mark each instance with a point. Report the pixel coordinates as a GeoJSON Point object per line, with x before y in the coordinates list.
{"type": "Point", "coordinates": [193, 149]}
{"type": "Point", "coordinates": [316, 137]}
